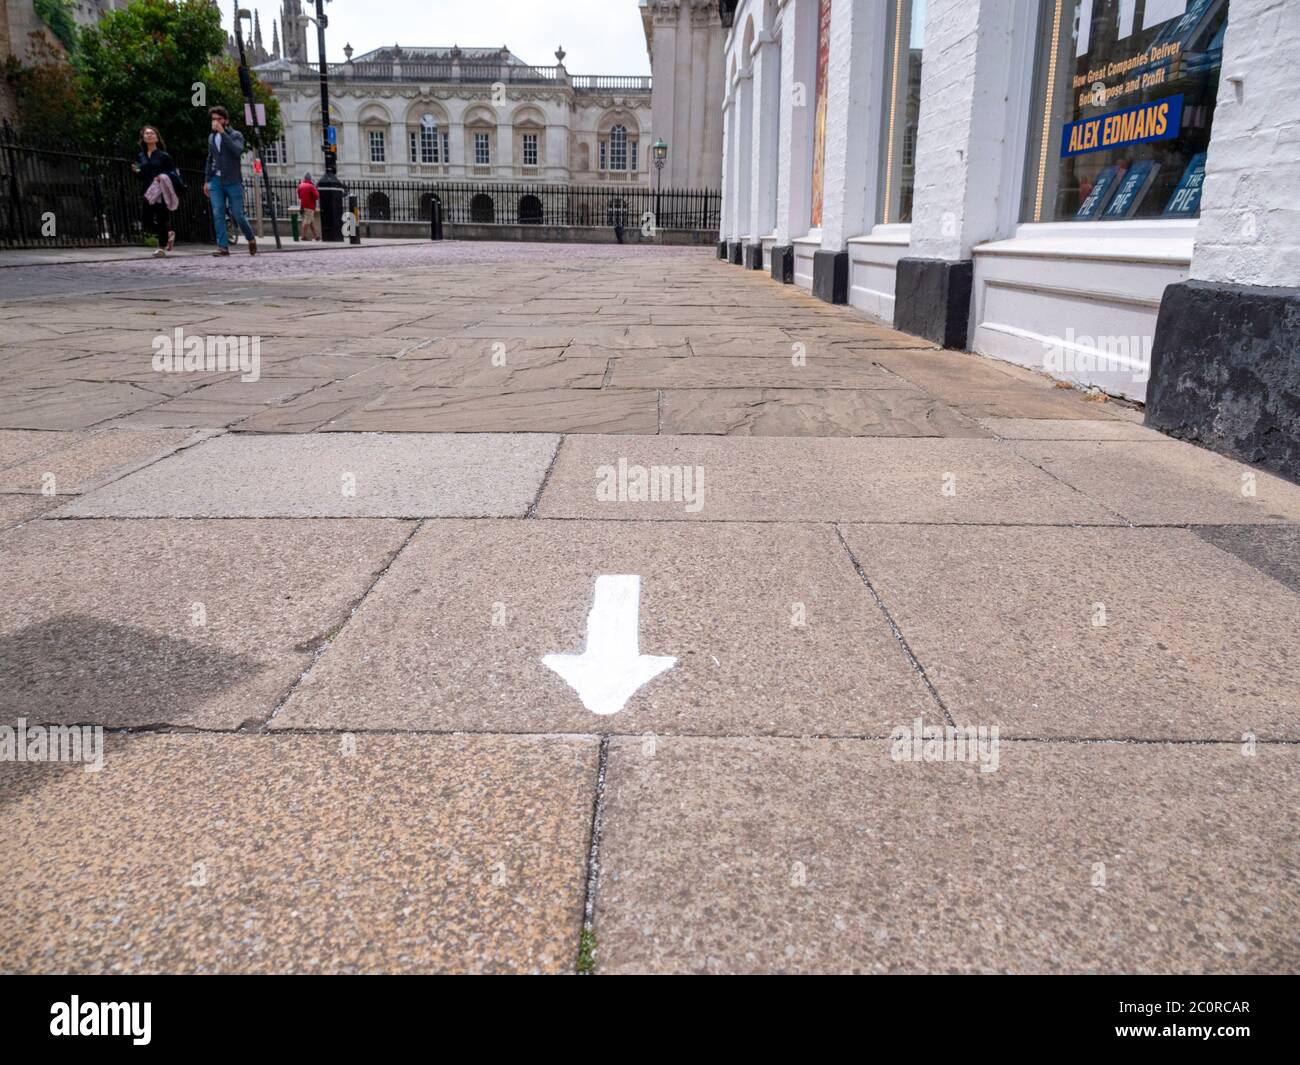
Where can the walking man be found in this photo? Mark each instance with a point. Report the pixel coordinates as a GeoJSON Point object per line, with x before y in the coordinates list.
{"type": "Point", "coordinates": [308, 201]}
{"type": "Point", "coordinates": [224, 176]}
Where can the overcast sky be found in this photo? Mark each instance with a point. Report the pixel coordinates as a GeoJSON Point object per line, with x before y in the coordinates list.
{"type": "Point", "coordinates": [600, 36]}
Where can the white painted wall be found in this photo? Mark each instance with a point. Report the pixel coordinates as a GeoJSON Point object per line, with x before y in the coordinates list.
{"type": "Point", "coordinates": [1249, 231]}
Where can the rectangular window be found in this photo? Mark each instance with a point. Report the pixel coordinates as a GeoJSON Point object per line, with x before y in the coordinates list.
{"type": "Point", "coordinates": [618, 148]}
{"type": "Point", "coordinates": [446, 148]}
{"type": "Point", "coordinates": [530, 149]}
{"type": "Point", "coordinates": [482, 150]}
{"type": "Point", "coordinates": [276, 151]}
{"type": "Point", "coordinates": [1122, 109]}
{"type": "Point", "coordinates": [602, 155]}
{"type": "Point", "coordinates": [902, 109]}
{"type": "Point", "coordinates": [413, 141]}
{"type": "Point", "coordinates": [428, 144]}
{"type": "Point", "coordinates": [377, 146]}
{"type": "Point", "coordinates": [632, 163]}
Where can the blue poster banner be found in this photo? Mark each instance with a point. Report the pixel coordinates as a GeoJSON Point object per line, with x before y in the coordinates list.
{"type": "Point", "coordinates": [1159, 120]}
{"type": "Point", "coordinates": [1128, 197]}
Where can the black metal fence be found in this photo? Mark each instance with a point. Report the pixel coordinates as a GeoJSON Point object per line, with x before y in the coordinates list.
{"type": "Point", "coordinates": [55, 195]}
{"type": "Point", "coordinates": [504, 203]}
{"type": "Point", "coordinates": [59, 196]}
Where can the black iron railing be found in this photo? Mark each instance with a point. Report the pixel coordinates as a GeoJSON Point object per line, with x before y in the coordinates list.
{"type": "Point", "coordinates": [61, 196]}
{"type": "Point", "coordinates": [506, 203]}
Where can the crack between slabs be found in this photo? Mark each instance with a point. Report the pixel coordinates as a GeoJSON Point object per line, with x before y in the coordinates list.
{"type": "Point", "coordinates": [893, 626]}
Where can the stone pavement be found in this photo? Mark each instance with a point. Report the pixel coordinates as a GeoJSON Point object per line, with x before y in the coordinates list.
{"type": "Point", "coordinates": [317, 611]}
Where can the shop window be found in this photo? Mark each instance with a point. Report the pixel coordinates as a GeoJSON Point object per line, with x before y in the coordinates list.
{"type": "Point", "coordinates": [902, 109]}
{"type": "Point", "coordinates": [1123, 103]}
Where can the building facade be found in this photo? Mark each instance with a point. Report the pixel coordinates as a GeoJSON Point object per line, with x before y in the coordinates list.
{"type": "Point", "coordinates": [1035, 180]}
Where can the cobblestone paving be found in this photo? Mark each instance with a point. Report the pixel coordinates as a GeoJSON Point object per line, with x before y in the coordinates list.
{"type": "Point", "coordinates": [357, 622]}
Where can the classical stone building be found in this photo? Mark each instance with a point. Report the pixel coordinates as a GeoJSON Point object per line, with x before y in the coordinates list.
{"type": "Point", "coordinates": [1101, 189]}
{"type": "Point", "coordinates": [485, 114]}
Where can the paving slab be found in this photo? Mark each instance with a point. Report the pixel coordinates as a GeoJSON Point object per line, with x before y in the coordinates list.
{"type": "Point", "coordinates": [637, 370]}
{"type": "Point", "coordinates": [16, 509]}
{"type": "Point", "coordinates": [1094, 633]}
{"type": "Point", "coordinates": [458, 410]}
{"type": "Point", "coordinates": [762, 855]}
{"type": "Point", "coordinates": [197, 623]}
{"type": "Point", "coordinates": [20, 445]}
{"type": "Point", "coordinates": [222, 404]}
{"type": "Point", "coordinates": [1167, 482]}
{"type": "Point", "coordinates": [91, 460]}
{"type": "Point", "coordinates": [1272, 549]}
{"type": "Point", "coordinates": [891, 412]}
{"type": "Point", "coordinates": [771, 627]}
{"type": "Point", "coordinates": [819, 479]}
{"type": "Point", "coordinates": [298, 854]}
{"type": "Point", "coordinates": [353, 475]}
{"type": "Point", "coordinates": [1069, 429]}
{"type": "Point", "coordinates": [72, 405]}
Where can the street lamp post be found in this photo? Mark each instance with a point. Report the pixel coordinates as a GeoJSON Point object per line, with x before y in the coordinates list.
{"type": "Point", "coordinates": [246, 83]}
{"type": "Point", "coordinates": [661, 156]}
{"type": "Point", "coordinates": [331, 188]}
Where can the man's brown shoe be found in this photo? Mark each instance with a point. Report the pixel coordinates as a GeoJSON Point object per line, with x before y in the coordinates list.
{"type": "Point", "coordinates": [221, 251]}
{"type": "Point", "coordinates": [252, 247]}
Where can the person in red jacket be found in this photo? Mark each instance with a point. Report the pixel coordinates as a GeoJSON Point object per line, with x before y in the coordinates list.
{"type": "Point", "coordinates": [309, 200]}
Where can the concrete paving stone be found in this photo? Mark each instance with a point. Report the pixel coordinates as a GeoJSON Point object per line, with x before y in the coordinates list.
{"type": "Point", "coordinates": [92, 460]}
{"type": "Point", "coordinates": [1069, 429]}
{"type": "Point", "coordinates": [823, 479]}
{"type": "Point", "coordinates": [334, 475]}
{"type": "Point", "coordinates": [311, 410]}
{"type": "Point", "coordinates": [1271, 549]}
{"type": "Point", "coordinates": [527, 371]}
{"type": "Point", "coordinates": [762, 855]}
{"type": "Point", "coordinates": [456, 410]}
{"type": "Point", "coordinates": [1167, 482]}
{"type": "Point", "coordinates": [20, 445]}
{"type": "Point", "coordinates": [218, 405]}
{"type": "Point", "coordinates": [452, 639]}
{"type": "Point", "coordinates": [73, 405]}
{"type": "Point", "coordinates": [709, 371]}
{"type": "Point", "coordinates": [769, 343]}
{"type": "Point", "coordinates": [1094, 633]}
{"type": "Point", "coordinates": [895, 412]}
{"type": "Point", "coordinates": [275, 854]}
{"type": "Point", "coordinates": [198, 623]}
{"type": "Point", "coordinates": [16, 509]}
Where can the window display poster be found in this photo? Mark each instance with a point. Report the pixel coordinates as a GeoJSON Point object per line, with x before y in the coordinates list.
{"type": "Point", "coordinates": [1102, 190]}
{"type": "Point", "coordinates": [1158, 120]}
{"type": "Point", "coordinates": [819, 112]}
{"type": "Point", "coordinates": [1186, 200]}
{"type": "Point", "coordinates": [1128, 197]}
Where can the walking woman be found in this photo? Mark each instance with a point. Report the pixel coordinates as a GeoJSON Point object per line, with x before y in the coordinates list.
{"type": "Point", "coordinates": [155, 168]}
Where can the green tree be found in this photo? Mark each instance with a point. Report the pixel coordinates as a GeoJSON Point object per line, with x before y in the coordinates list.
{"type": "Point", "coordinates": [222, 79]}
{"type": "Point", "coordinates": [46, 93]}
{"type": "Point", "coordinates": [57, 15]}
{"type": "Point", "coordinates": [158, 62]}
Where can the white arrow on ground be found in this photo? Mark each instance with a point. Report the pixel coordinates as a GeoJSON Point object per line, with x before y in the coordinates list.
{"type": "Point", "coordinates": [609, 672]}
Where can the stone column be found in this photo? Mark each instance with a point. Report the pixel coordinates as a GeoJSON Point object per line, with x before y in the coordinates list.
{"type": "Point", "coordinates": [767, 102]}
{"type": "Point", "coordinates": [1224, 369]}
{"type": "Point", "coordinates": [964, 163]}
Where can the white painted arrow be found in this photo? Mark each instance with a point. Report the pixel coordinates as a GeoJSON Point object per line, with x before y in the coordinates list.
{"type": "Point", "coordinates": [609, 672]}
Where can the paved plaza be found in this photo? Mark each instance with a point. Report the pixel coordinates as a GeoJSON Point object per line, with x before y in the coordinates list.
{"type": "Point", "coordinates": [537, 608]}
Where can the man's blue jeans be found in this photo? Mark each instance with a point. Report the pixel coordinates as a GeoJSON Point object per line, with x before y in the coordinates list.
{"type": "Point", "coordinates": [228, 196]}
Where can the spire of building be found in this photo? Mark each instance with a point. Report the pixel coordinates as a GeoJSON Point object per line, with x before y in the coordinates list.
{"type": "Point", "coordinates": [275, 39]}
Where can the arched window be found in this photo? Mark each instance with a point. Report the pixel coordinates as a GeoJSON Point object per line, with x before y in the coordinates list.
{"type": "Point", "coordinates": [427, 200]}
{"type": "Point", "coordinates": [377, 206]}
{"type": "Point", "coordinates": [530, 210]}
{"type": "Point", "coordinates": [428, 144]}
{"type": "Point", "coordinates": [481, 208]}
{"type": "Point", "coordinates": [618, 148]}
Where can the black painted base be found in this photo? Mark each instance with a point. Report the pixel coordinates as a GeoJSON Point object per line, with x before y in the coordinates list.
{"type": "Point", "coordinates": [1224, 371]}
{"type": "Point", "coordinates": [831, 276]}
{"type": "Point", "coordinates": [722, 249]}
{"type": "Point", "coordinates": [736, 253]}
{"type": "Point", "coordinates": [753, 256]}
{"type": "Point", "coordinates": [932, 300]}
{"type": "Point", "coordinates": [783, 264]}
